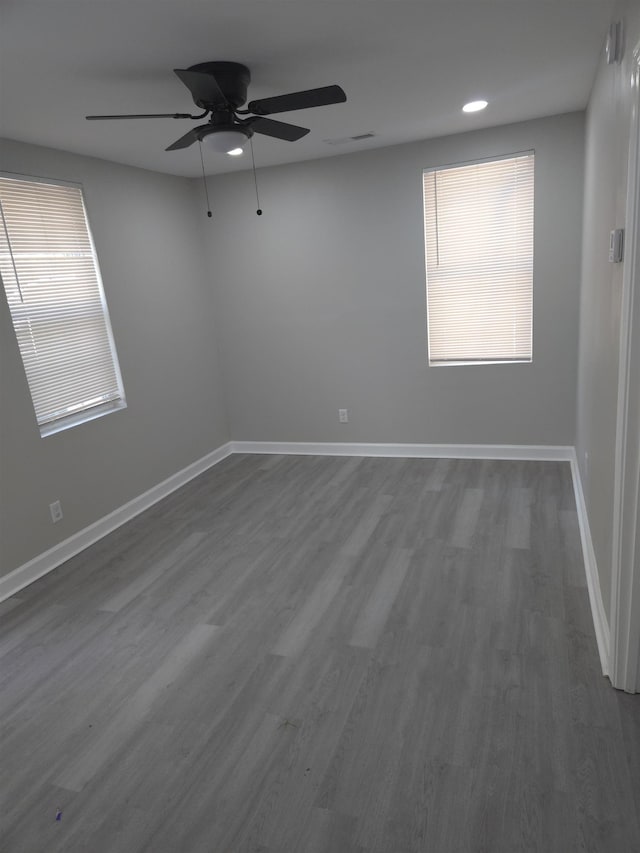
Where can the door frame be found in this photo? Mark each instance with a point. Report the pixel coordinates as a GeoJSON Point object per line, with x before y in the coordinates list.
{"type": "Point", "coordinates": [624, 664]}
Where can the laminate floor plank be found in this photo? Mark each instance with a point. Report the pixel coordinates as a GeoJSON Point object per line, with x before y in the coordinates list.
{"type": "Point", "coordinates": [466, 518]}
{"type": "Point", "coordinates": [21, 625]}
{"type": "Point", "coordinates": [375, 612]}
{"type": "Point", "coordinates": [306, 621]}
{"type": "Point", "coordinates": [518, 519]}
{"type": "Point", "coordinates": [144, 579]}
{"type": "Point", "coordinates": [298, 654]}
{"type": "Point", "coordinates": [134, 711]}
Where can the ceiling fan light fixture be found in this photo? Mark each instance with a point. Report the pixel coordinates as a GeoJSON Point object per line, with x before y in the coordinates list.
{"type": "Point", "coordinates": [227, 141]}
{"type": "Point", "coordinates": [235, 152]}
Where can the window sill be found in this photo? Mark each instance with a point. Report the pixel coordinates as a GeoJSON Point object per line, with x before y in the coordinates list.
{"type": "Point", "coordinates": [479, 362]}
{"type": "Point", "coordinates": [81, 417]}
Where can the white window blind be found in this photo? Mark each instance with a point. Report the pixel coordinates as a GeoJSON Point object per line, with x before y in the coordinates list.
{"type": "Point", "coordinates": [479, 256]}
{"type": "Point", "coordinates": [51, 278]}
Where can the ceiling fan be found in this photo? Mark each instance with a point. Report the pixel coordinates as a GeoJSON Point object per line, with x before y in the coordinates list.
{"type": "Point", "coordinates": [220, 89]}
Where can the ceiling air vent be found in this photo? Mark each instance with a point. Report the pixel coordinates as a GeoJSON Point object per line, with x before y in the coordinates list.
{"type": "Point", "coordinates": [344, 140]}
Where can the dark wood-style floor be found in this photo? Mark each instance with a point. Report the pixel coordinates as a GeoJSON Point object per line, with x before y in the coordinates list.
{"type": "Point", "coordinates": [321, 655]}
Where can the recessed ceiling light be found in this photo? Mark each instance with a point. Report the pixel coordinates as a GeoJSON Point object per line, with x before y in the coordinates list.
{"type": "Point", "coordinates": [235, 152]}
{"type": "Point", "coordinates": [474, 106]}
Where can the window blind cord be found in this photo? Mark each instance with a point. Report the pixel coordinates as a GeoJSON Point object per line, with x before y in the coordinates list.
{"type": "Point", "coordinates": [13, 263]}
{"type": "Point", "coordinates": [435, 199]}
{"type": "Point", "coordinates": [255, 178]}
{"type": "Point", "coordinates": [204, 181]}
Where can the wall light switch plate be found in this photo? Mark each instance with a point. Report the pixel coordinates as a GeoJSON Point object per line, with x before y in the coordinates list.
{"type": "Point", "coordinates": [343, 416]}
{"type": "Point", "coordinates": [616, 245]}
{"type": "Point", "coordinates": [613, 44]}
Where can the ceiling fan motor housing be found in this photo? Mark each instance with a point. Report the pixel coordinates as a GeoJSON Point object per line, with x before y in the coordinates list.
{"type": "Point", "coordinates": [232, 78]}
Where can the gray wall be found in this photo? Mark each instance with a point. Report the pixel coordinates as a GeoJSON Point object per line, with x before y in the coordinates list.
{"type": "Point", "coordinates": [607, 145]}
{"type": "Point", "coordinates": [319, 304]}
{"type": "Point", "coordinates": [146, 231]}
{"type": "Point", "coordinates": [322, 299]}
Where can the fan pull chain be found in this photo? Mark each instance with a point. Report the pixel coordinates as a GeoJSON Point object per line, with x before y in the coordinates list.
{"type": "Point", "coordinates": [204, 181]}
{"type": "Point", "coordinates": [255, 179]}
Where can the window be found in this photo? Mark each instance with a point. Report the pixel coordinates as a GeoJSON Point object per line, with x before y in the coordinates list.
{"type": "Point", "coordinates": [478, 222]}
{"type": "Point", "coordinates": [51, 278]}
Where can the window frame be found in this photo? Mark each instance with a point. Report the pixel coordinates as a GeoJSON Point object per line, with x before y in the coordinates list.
{"type": "Point", "coordinates": [528, 152]}
{"type": "Point", "coordinates": [88, 411]}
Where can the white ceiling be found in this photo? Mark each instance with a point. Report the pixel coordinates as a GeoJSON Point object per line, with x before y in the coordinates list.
{"type": "Point", "coordinates": [407, 69]}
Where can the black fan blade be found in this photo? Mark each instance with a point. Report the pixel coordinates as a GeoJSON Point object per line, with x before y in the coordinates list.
{"type": "Point", "coordinates": [277, 129]}
{"type": "Point", "coordinates": [189, 138]}
{"type": "Point", "coordinates": [203, 87]}
{"type": "Point", "coordinates": [143, 115]}
{"type": "Point", "coordinates": [298, 101]}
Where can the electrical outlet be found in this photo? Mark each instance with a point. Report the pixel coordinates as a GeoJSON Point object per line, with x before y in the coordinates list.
{"type": "Point", "coordinates": [56, 511]}
{"type": "Point", "coordinates": [343, 416]}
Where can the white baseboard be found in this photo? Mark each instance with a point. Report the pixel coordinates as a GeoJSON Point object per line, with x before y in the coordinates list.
{"type": "Point", "coordinates": [44, 563]}
{"type": "Point", "coordinates": [49, 560]}
{"type": "Point", "coordinates": [600, 621]}
{"type": "Point", "coordinates": [550, 453]}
